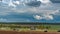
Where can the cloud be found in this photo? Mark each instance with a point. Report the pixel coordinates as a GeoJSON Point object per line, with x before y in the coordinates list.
{"type": "Point", "coordinates": [4, 11]}
{"type": "Point", "coordinates": [16, 2]}
{"type": "Point", "coordinates": [3, 20]}
{"type": "Point", "coordinates": [44, 1]}
{"type": "Point", "coordinates": [37, 17]}
{"type": "Point", "coordinates": [10, 3]}
{"type": "Point", "coordinates": [34, 3]}
{"type": "Point", "coordinates": [47, 17]}
{"type": "Point", "coordinates": [41, 12]}
{"type": "Point", "coordinates": [55, 1]}
{"type": "Point", "coordinates": [46, 14]}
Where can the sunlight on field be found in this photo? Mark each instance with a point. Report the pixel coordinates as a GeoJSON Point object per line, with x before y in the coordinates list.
{"type": "Point", "coordinates": [5, 28]}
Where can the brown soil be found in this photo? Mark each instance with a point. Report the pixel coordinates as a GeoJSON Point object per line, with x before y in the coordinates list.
{"type": "Point", "coordinates": [29, 32]}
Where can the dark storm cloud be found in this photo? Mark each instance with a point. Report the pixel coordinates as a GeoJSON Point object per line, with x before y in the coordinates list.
{"type": "Point", "coordinates": [22, 11]}
{"type": "Point", "coordinates": [34, 3]}
{"type": "Point", "coordinates": [55, 1]}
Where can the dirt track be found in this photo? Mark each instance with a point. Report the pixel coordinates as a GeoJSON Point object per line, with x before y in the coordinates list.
{"type": "Point", "coordinates": [29, 32]}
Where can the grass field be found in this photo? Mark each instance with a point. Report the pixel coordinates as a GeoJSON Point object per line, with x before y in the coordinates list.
{"type": "Point", "coordinates": [41, 28]}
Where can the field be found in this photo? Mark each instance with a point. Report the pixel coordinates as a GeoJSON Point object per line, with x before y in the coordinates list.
{"type": "Point", "coordinates": [29, 29]}
{"type": "Point", "coordinates": [24, 27]}
{"type": "Point", "coordinates": [28, 32]}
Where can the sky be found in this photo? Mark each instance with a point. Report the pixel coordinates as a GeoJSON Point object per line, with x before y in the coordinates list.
{"type": "Point", "coordinates": [30, 11]}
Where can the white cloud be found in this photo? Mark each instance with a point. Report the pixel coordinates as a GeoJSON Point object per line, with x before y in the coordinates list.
{"type": "Point", "coordinates": [10, 3]}
{"type": "Point", "coordinates": [42, 10]}
{"type": "Point", "coordinates": [37, 17]}
{"type": "Point", "coordinates": [47, 17]}
{"type": "Point", "coordinates": [45, 14]}
{"type": "Point", "coordinates": [44, 1]}
{"type": "Point", "coordinates": [16, 2]}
